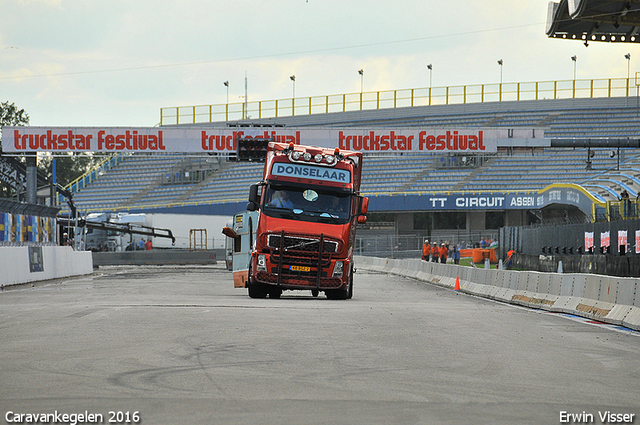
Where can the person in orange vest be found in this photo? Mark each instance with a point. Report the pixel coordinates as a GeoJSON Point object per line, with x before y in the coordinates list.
{"type": "Point", "coordinates": [435, 252]}
{"type": "Point", "coordinates": [444, 252]}
{"type": "Point", "coordinates": [426, 250]}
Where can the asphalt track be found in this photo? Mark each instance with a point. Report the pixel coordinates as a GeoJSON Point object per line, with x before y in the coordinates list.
{"type": "Point", "coordinates": [180, 345]}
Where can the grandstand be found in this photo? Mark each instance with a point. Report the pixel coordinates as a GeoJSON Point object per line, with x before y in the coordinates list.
{"type": "Point", "coordinates": [199, 183]}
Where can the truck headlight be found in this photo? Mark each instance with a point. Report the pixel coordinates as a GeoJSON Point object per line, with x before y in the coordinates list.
{"type": "Point", "coordinates": [262, 263]}
{"type": "Point", "coordinates": [338, 269]}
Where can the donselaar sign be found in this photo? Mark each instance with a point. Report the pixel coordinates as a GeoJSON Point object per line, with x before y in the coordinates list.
{"type": "Point", "coordinates": [223, 140]}
{"type": "Point", "coordinates": [310, 171]}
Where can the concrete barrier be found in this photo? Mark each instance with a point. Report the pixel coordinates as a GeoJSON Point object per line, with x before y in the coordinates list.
{"type": "Point", "coordinates": [156, 257]}
{"type": "Point", "coordinates": [609, 299]}
{"type": "Point", "coordinates": [31, 264]}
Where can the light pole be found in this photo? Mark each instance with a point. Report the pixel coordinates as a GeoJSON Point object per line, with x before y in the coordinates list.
{"type": "Point", "coordinates": [500, 62]}
{"type": "Point", "coordinates": [361, 72]}
{"type": "Point", "coordinates": [628, 58]}
{"type": "Point", "coordinates": [430, 68]}
{"type": "Point", "coordinates": [293, 98]}
{"type": "Point", "coordinates": [575, 65]}
{"type": "Point", "coordinates": [293, 79]}
{"type": "Point", "coordinates": [226, 114]}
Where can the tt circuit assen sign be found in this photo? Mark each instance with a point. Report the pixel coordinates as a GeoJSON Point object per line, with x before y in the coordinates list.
{"type": "Point", "coordinates": [566, 194]}
{"type": "Point", "coordinates": [223, 140]}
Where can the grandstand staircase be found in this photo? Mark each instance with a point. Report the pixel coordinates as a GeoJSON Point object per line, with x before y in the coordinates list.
{"type": "Point", "coordinates": [462, 183]}
{"type": "Point", "coordinates": [547, 120]}
{"type": "Point", "coordinates": [138, 196]}
{"type": "Point", "coordinates": [134, 200]}
{"type": "Point", "coordinates": [411, 183]}
{"type": "Point", "coordinates": [494, 121]}
{"type": "Point", "coordinates": [196, 187]}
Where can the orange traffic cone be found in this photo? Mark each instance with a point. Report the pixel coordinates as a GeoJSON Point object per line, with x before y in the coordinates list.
{"type": "Point", "coordinates": [457, 287]}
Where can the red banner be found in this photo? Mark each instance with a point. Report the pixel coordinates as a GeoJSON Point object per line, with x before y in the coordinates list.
{"type": "Point", "coordinates": [223, 140]}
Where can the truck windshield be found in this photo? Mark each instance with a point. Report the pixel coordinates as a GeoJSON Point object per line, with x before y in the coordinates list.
{"type": "Point", "coordinates": [308, 204]}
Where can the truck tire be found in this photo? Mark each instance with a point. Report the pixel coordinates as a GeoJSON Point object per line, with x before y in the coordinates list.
{"type": "Point", "coordinates": [350, 289]}
{"type": "Point", "coordinates": [337, 294]}
{"type": "Point", "coordinates": [257, 290]}
{"type": "Point", "coordinates": [275, 293]}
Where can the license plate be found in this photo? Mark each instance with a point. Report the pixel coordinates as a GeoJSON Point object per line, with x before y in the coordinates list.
{"type": "Point", "coordinates": [300, 268]}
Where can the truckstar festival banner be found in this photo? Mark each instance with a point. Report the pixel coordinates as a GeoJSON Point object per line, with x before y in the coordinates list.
{"type": "Point", "coordinates": [223, 140]}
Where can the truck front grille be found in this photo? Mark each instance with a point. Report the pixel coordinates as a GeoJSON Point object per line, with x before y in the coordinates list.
{"type": "Point", "coordinates": [302, 244]}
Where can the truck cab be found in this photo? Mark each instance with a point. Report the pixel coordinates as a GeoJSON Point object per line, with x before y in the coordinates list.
{"type": "Point", "coordinates": [308, 207]}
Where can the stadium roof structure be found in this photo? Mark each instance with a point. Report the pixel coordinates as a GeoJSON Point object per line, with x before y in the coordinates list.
{"type": "Point", "coordinates": [615, 21]}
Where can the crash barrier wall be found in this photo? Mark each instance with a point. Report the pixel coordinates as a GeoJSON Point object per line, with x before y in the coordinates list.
{"type": "Point", "coordinates": [156, 257]}
{"type": "Point", "coordinates": [24, 264]}
{"type": "Point", "coordinates": [607, 299]}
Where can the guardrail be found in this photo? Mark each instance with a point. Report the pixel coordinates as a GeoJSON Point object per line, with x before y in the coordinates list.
{"type": "Point", "coordinates": [425, 96]}
{"type": "Point", "coordinates": [607, 299]}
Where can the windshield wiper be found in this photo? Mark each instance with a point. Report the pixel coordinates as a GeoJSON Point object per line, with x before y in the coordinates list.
{"type": "Point", "coordinates": [285, 212]}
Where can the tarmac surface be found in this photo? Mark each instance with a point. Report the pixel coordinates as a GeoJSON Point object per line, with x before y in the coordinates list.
{"type": "Point", "coordinates": [180, 345]}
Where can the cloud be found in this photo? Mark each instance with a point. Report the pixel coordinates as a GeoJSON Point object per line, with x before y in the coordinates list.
{"type": "Point", "coordinates": [119, 62]}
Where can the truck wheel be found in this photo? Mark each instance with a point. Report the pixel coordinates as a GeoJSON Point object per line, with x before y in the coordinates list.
{"type": "Point", "coordinates": [275, 293]}
{"type": "Point", "coordinates": [337, 294]}
{"type": "Point", "coordinates": [257, 290]}
{"type": "Point", "coordinates": [350, 289]}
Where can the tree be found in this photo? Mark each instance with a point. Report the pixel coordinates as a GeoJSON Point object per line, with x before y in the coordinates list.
{"type": "Point", "coordinates": [10, 115]}
{"type": "Point", "coordinates": [68, 166]}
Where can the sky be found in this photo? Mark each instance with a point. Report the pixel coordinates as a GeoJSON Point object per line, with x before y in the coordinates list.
{"type": "Point", "coordinates": [117, 62]}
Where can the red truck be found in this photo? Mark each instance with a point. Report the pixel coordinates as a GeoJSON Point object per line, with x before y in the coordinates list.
{"type": "Point", "coordinates": [308, 206]}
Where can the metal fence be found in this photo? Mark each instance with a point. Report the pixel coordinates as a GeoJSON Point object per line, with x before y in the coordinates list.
{"type": "Point", "coordinates": [567, 239]}
{"type": "Point", "coordinates": [410, 246]}
{"type": "Point", "coordinates": [477, 93]}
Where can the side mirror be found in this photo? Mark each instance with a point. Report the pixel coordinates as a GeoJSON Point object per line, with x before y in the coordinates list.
{"type": "Point", "coordinates": [229, 232]}
{"type": "Point", "coordinates": [364, 206]}
{"type": "Point", "coordinates": [254, 198]}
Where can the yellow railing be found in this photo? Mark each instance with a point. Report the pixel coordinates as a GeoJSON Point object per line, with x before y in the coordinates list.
{"type": "Point", "coordinates": [479, 93]}
{"type": "Point", "coordinates": [623, 210]}
{"type": "Point", "coordinates": [82, 181]}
